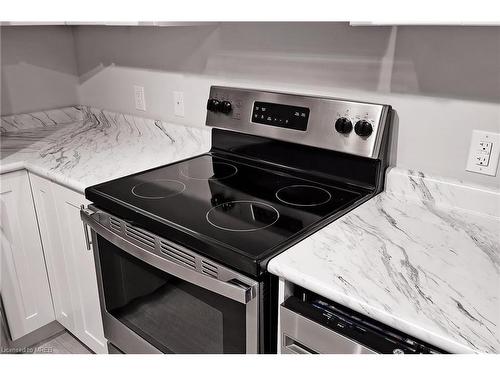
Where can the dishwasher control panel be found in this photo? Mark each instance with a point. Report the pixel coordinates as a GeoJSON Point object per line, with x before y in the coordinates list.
{"type": "Point", "coordinates": [311, 324]}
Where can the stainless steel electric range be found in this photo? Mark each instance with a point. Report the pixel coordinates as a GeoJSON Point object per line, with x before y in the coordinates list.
{"type": "Point", "coordinates": [181, 250]}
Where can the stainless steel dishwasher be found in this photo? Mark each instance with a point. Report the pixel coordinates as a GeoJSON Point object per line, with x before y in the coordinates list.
{"type": "Point", "coordinates": [311, 324]}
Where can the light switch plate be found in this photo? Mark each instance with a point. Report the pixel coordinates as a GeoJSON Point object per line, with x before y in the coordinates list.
{"type": "Point", "coordinates": [179, 103]}
{"type": "Point", "coordinates": [484, 152]}
{"type": "Point", "coordinates": [140, 100]}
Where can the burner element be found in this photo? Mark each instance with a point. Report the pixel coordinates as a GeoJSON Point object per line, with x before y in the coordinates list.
{"type": "Point", "coordinates": [303, 195]}
{"type": "Point", "coordinates": [242, 216]}
{"type": "Point", "coordinates": [158, 189]}
{"type": "Point", "coordinates": [201, 169]}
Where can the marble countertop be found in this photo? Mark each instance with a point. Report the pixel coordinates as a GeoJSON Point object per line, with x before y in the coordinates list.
{"type": "Point", "coordinates": [415, 257]}
{"type": "Point", "coordinates": [80, 146]}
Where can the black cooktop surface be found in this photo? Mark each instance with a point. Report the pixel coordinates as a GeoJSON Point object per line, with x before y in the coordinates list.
{"type": "Point", "coordinates": [245, 206]}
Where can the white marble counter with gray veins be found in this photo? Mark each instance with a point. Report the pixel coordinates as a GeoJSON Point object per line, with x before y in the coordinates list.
{"type": "Point", "coordinates": [413, 259]}
{"type": "Point", "coordinates": [80, 146]}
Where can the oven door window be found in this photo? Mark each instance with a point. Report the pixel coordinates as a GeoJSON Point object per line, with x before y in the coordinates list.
{"type": "Point", "coordinates": [173, 315]}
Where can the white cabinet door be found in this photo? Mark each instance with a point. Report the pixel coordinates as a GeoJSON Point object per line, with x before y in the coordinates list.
{"type": "Point", "coordinates": [59, 262]}
{"type": "Point", "coordinates": [88, 320]}
{"type": "Point", "coordinates": [24, 284]}
{"type": "Point", "coordinates": [70, 265]}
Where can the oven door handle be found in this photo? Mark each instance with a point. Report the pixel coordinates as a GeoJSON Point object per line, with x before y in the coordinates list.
{"type": "Point", "coordinates": [240, 289]}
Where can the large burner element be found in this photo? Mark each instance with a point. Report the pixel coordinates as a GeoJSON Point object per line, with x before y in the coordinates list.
{"type": "Point", "coordinates": [242, 216]}
{"type": "Point", "coordinates": [158, 189]}
{"type": "Point", "coordinates": [203, 169]}
{"type": "Point", "coordinates": [303, 195]}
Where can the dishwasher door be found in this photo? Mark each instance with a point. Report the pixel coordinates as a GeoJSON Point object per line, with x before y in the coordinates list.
{"type": "Point", "coordinates": [300, 335]}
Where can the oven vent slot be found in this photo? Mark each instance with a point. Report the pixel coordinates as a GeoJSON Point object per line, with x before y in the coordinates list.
{"type": "Point", "coordinates": [177, 255]}
{"type": "Point", "coordinates": [209, 269]}
{"type": "Point", "coordinates": [140, 236]}
{"type": "Point", "coordinates": [115, 224]}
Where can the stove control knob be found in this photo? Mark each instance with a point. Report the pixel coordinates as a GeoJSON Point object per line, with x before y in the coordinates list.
{"type": "Point", "coordinates": [343, 125]}
{"type": "Point", "coordinates": [363, 128]}
{"type": "Point", "coordinates": [225, 107]}
{"type": "Point", "coordinates": [213, 105]}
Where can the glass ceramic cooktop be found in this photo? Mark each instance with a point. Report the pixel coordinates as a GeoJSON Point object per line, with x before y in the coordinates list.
{"type": "Point", "coordinates": [247, 207]}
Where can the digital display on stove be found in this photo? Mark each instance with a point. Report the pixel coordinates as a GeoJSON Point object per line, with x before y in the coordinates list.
{"type": "Point", "coordinates": [280, 115]}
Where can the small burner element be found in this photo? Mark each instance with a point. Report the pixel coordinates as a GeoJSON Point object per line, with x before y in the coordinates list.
{"type": "Point", "coordinates": [242, 216]}
{"type": "Point", "coordinates": [201, 169]}
{"type": "Point", "coordinates": [303, 195]}
{"type": "Point", "coordinates": [158, 189]}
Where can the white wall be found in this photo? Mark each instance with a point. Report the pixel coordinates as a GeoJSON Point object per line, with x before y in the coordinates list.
{"type": "Point", "coordinates": [442, 81]}
{"type": "Point", "coordinates": [38, 68]}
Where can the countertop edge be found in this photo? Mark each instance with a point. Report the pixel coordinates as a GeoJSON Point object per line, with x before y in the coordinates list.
{"type": "Point", "coordinates": [377, 314]}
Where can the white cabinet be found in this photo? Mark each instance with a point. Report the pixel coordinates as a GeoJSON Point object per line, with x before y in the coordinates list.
{"type": "Point", "coordinates": [70, 265]}
{"type": "Point", "coordinates": [124, 23]}
{"type": "Point", "coordinates": [24, 285]}
{"type": "Point", "coordinates": [59, 261]}
{"type": "Point", "coordinates": [89, 321]}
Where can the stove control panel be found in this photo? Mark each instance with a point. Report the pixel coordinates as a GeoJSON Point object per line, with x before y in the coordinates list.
{"type": "Point", "coordinates": [336, 124]}
{"type": "Point", "coordinates": [280, 115]}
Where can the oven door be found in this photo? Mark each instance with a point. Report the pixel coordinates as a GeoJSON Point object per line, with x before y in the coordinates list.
{"type": "Point", "coordinates": [158, 297]}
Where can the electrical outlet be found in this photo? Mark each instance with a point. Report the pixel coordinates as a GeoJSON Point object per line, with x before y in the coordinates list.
{"type": "Point", "coordinates": [482, 159]}
{"type": "Point", "coordinates": [484, 152]}
{"type": "Point", "coordinates": [179, 103]}
{"type": "Point", "coordinates": [140, 99]}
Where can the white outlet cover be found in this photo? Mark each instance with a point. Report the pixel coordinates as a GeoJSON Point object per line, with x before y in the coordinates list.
{"type": "Point", "coordinates": [179, 103]}
{"type": "Point", "coordinates": [139, 98]}
{"type": "Point", "coordinates": [475, 150]}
